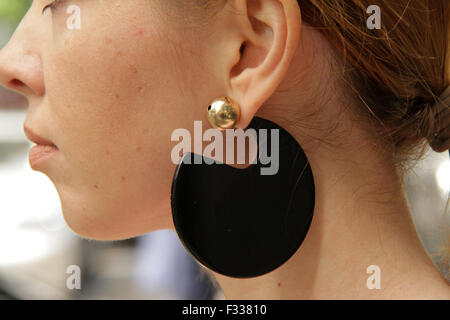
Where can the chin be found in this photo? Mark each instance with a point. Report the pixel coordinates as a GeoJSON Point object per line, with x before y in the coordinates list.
{"type": "Point", "coordinates": [112, 223]}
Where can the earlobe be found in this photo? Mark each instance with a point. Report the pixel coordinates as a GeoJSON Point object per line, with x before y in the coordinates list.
{"type": "Point", "coordinates": [270, 31]}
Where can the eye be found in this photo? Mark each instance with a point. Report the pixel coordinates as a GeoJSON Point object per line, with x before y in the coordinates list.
{"type": "Point", "coordinates": [50, 6]}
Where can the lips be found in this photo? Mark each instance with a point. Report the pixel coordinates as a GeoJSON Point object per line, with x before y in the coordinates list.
{"type": "Point", "coordinates": [37, 139]}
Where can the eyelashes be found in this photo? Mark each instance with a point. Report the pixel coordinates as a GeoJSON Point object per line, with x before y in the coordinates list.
{"type": "Point", "coordinates": [51, 5]}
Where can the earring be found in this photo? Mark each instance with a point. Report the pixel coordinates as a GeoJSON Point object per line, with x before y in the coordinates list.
{"type": "Point", "coordinates": [223, 113]}
{"type": "Point", "coordinates": [238, 222]}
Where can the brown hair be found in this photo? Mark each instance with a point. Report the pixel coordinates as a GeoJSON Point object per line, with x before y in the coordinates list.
{"type": "Point", "coordinates": [397, 71]}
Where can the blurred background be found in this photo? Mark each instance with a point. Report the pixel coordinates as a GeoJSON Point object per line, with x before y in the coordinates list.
{"type": "Point", "coordinates": [36, 247]}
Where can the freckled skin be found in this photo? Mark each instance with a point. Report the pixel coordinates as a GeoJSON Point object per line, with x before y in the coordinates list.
{"type": "Point", "coordinates": [115, 90]}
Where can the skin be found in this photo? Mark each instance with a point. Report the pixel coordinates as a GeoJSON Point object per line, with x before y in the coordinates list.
{"type": "Point", "coordinates": [110, 94]}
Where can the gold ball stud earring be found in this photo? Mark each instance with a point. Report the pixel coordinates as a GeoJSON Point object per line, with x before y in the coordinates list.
{"type": "Point", "coordinates": [223, 113]}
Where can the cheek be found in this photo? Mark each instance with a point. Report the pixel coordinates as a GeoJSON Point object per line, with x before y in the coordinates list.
{"type": "Point", "coordinates": [114, 98]}
{"type": "Point", "coordinates": [105, 108]}
{"type": "Point", "coordinates": [99, 98]}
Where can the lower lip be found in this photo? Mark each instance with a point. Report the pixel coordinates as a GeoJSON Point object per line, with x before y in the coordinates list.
{"type": "Point", "coordinates": [39, 154]}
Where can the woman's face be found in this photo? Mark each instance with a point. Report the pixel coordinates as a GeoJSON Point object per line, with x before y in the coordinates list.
{"type": "Point", "coordinates": [109, 95]}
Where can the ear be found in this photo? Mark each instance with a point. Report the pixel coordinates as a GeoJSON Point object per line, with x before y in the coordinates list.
{"type": "Point", "coordinates": [261, 50]}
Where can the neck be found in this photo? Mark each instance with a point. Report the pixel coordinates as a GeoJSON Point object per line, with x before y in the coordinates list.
{"type": "Point", "coordinates": [361, 218]}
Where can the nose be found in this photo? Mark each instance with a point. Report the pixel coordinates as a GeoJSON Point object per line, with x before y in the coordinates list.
{"type": "Point", "coordinates": [20, 63]}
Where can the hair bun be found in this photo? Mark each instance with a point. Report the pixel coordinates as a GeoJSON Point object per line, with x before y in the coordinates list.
{"type": "Point", "coordinates": [440, 139]}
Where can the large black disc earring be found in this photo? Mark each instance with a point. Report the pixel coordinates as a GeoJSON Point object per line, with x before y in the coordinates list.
{"type": "Point", "coordinates": [238, 222]}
